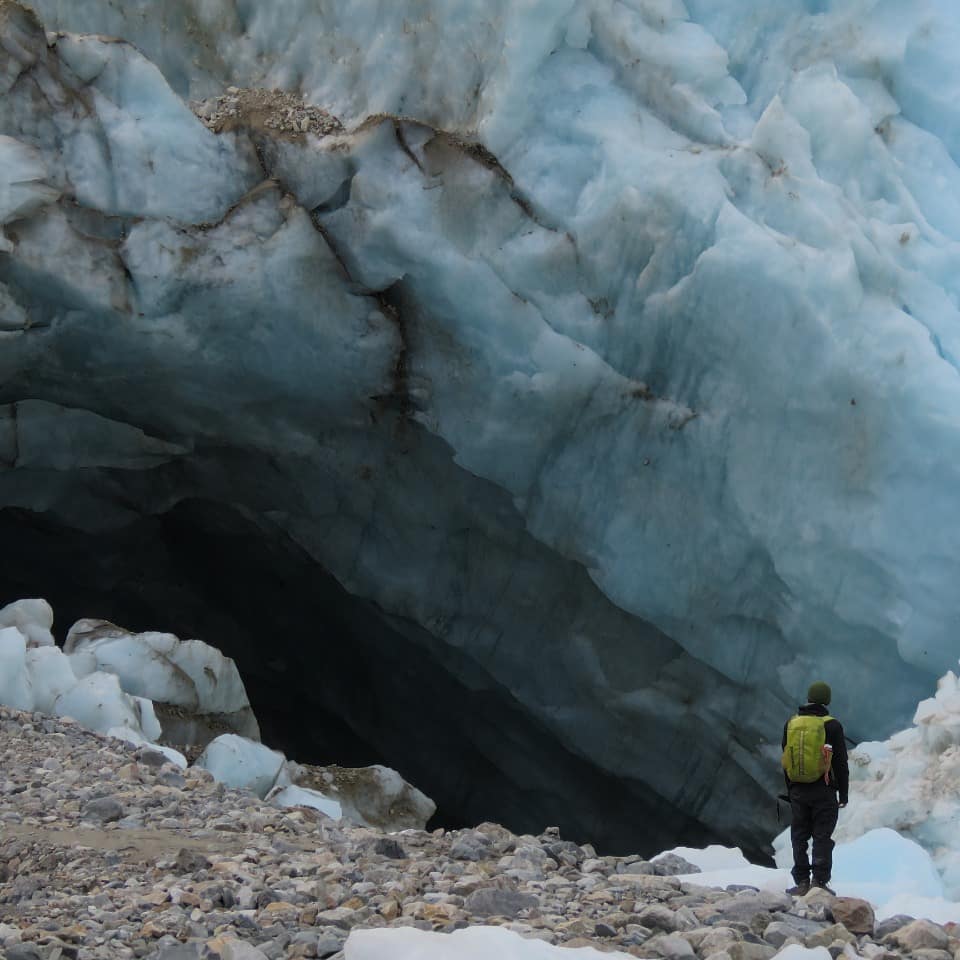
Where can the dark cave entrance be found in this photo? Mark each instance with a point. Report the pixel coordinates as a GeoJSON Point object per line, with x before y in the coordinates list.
{"type": "Point", "coordinates": [331, 678]}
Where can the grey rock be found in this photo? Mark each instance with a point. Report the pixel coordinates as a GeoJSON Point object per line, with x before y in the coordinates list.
{"type": "Point", "coordinates": [152, 758]}
{"type": "Point", "coordinates": [931, 953]}
{"type": "Point", "coordinates": [23, 951]}
{"type": "Point", "coordinates": [191, 861]}
{"type": "Point", "coordinates": [829, 935]}
{"type": "Point", "coordinates": [890, 924]}
{"type": "Point", "coordinates": [745, 908]}
{"type": "Point", "coordinates": [744, 950]}
{"type": "Point", "coordinates": [717, 939]}
{"type": "Point", "coordinates": [779, 931]}
{"type": "Point", "coordinates": [804, 926]}
{"type": "Point", "coordinates": [387, 847]}
{"type": "Point", "coordinates": [672, 865]}
{"type": "Point", "coordinates": [328, 946]}
{"type": "Point", "coordinates": [658, 917]}
{"type": "Point", "coordinates": [670, 946]}
{"type": "Point", "coordinates": [637, 936]}
{"type": "Point", "coordinates": [104, 809]}
{"type": "Point", "coordinates": [465, 848]}
{"type": "Point", "coordinates": [919, 935]}
{"type": "Point", "coordinates": [178, 951]}
{"type": "Point", "coordinates": [494, 902]}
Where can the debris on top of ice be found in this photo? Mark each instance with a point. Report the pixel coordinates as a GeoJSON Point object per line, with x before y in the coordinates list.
{"type": "Point", "coordinates": [186, 674]}
{"type": "Point", "coordinates": [373, 796]}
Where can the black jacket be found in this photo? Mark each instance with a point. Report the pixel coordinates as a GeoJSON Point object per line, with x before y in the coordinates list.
{"type": "Point", "coordinates": [839, 771]}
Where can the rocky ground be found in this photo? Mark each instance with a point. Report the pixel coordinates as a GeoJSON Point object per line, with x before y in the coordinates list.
{"type": "Point", "coordinates": [110, 851]}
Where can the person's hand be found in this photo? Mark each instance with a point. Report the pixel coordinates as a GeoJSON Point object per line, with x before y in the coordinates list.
{"type": "Point", "coordinates": [843, 804]}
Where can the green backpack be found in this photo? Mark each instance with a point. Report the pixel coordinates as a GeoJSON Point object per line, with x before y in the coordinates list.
{"type": "Point", "coordinates": [804, 758]}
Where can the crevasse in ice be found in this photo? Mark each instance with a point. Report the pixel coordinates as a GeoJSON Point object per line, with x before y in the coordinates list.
{"type": "Point", "coordinates": [614, 344]}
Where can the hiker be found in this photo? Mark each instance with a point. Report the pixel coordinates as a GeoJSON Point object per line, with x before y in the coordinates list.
{"type": "Point", "coordinates": [815, 768]}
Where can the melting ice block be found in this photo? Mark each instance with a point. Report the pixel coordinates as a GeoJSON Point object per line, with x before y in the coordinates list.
{"type": "Point", "coordinates": [98, 703]}
{"type": "Point", "coordinates": [51, 676]}
{"type": "Point", "coordinates": [472, 943]}
{"type": "Point", "coordinates": [242, 763]}
{"type": "Point", "coordinates": [15, 687]}
{"type": "Point", "coordinates": [33, 618]}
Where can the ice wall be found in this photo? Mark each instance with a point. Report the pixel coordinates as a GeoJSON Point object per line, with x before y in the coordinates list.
{"type": "Point", "coordinates": [609, 354]}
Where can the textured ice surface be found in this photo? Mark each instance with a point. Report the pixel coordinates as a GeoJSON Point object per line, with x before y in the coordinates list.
{"type": "Point", "coordinates": [185, 673]}
{"type": "Point", "coordinates": [671, 288]}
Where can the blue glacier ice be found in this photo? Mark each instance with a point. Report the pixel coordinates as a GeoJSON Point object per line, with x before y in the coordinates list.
{"type": "Point", "coordinates": [609, 355]}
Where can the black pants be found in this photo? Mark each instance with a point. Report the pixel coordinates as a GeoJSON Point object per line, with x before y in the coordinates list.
{"type": "Point", "coordinates": [814, 812]}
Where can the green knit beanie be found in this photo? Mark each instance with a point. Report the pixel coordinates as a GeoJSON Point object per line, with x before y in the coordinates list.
{"type": "Point", "coordinates": [819, 692]}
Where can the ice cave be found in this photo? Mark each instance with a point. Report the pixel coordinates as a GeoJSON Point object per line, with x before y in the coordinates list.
{"type": "Point", "coordinates": [531, 395]}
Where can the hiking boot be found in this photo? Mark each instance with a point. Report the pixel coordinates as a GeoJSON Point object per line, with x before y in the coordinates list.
{"type": "Point", "coordinates": [822, 885]}
{"type": "Point", "coordinates": [800, 890]}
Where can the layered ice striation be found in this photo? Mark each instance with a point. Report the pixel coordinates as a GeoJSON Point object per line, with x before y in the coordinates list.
{"type": "Point", "coordinates": [600, 376]}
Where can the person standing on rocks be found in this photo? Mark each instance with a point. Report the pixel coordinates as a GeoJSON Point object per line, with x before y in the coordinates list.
{"type": "Point", "coordinates": [815, 768]}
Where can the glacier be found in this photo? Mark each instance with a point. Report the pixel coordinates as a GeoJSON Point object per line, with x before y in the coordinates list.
{"type": "Point", "coordinates": [545, 431]}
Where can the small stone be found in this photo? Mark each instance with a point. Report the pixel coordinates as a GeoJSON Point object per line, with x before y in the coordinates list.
{"type": "Point", "coordinates": [178, 951]}
{"type": "Point", "coordinates": [671, 865]}
{"type": "Point", "coordinates": [104, 809]}
{"type": "Point", "coordinates": [658, 917]}
{"type": "Point", "coordinates": [389, 909]}
{"type": "Point", "coordinates": [827, 936]}
{"type": "Point", "coordinates": [191, 861]}
{"type": "Point", "coordinates": [387, 847]}
{"type": "Point", "coordinates": [855, 914]}
{"type": "Point", "coordinates": [669, 946]}
{"type": "Point", "coordinates": [744, 950]}
{"type": "Point", "coordinates": [152, 758]}
{"type": "Point", "coordinates": [919, 935]}
{"type": "Point", "coordinates": [884, 927]}
{"type": "Point", "coordinates": [23, 951]}
{"type": "Point", "coordinates": [327, 946]}
{"type": "Point", "coordinates": [493, 902]}
{"type": "Point", "coordinates": [240, 950]}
